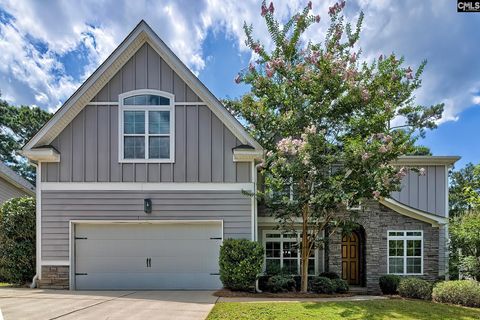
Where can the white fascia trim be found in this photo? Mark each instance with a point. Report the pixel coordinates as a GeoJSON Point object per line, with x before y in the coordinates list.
{"type": "Point", "coordinates": [247, 155]}
{"type": "Point", "coordinates": [426, 160]}
{"type": "Point", "coordinates": [42, 154]}
{"type": "Point", "coordinates": [131, 38]}
{"type": "Point", "coordinates": [140, 186]}
{"type": "Point", "coordinates": [398, 207]}
{"type": "Point", "coordinates": [143, 33]}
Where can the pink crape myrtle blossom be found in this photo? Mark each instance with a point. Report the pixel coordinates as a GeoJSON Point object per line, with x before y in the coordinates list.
{"type": "Point", "coordinates": [401, 173]}
{"type": "Point", "coordinates": [264, 10]}
{"type": "Point", "coordinates": [312, 129]}
{"type": "Point", "coordinates": [290, 146]}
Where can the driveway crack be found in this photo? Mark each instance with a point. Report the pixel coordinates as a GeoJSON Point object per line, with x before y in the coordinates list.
{"type": "Point", "coordinates": [92, 305]}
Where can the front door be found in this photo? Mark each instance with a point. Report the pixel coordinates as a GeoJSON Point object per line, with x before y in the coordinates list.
{"type": "Point", "coordinates": [350, 259]}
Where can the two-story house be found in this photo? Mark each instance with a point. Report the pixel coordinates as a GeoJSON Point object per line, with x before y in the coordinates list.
{"type": "Point", "coordinates": [141, 173]}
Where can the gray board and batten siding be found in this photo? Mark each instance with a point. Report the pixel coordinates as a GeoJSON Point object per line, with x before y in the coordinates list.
{"type": "Point", "coordinates": [203, 144]}
{"type": "Point", "coordinates": [424, 192]}
{"type": "Point", "coordinates": [59, 207]}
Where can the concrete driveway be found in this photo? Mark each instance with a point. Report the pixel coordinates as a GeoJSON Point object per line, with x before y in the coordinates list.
{"type": "Point", "coordinates": [16, 304]}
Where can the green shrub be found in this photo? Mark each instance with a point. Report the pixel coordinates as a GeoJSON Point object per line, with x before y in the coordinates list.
{"type": "Point", "coordinates": [470, 266]}
{"type": "Point", "coordinates": [415, 288]}
{"type": "Point", "coordinates": [241, 261]}
{"type": "Point", "coordinates": [17, 240]}
{"type": "Point", "coordinates": [281, 283]}
{"type": "Point", "coordinates": [462, 292]}
{"type": "Point", "coordinates": [321, 285]}
{"type": "Point", "coordinates": [340, 285]}
{"type": "Point", "coordinates": [330, 275]}
{"type": "Point", "coordinates": [389, 283]}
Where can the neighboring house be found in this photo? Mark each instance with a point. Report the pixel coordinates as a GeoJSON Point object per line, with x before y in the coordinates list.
{"type": "Point", "coordinates": [12, 185]}
{"type": "Point", "coordinates": [141, 176]}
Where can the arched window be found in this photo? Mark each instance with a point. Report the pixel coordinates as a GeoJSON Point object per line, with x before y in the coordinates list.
{"type": "Point", "coordinates": [146, 126]}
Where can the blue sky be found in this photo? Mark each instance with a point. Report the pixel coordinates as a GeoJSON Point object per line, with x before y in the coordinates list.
{"type": "Point", "coordinates": [48, 48]}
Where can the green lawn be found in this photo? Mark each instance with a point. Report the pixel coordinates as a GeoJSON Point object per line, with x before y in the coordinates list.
{"type": "Point", "coordinates": [4, 284]}
{"type": "Point", "coordinates": [373, 310]}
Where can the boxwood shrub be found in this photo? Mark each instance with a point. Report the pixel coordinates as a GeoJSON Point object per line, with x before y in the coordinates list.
{"type": "Point", "coordinates": [461, 292]}
{"type": "Point", "coordinates": [389, 283]}
{"type": "Point", "coordinates": [321, 285]}
{"type": "Point", "coordinates": [415, 288]}
{"type": "Point", "coordinates": [240, 262]}
{"type": "Point", "coordinates": [340, 285]}
{"type": "Point", "coordinates": [17, 240]}
{"type": "Point", "coordinates": [281, 283]}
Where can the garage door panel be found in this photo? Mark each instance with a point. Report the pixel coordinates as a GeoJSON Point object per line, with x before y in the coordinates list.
{"type": "Point", "coordinates": [140, 231]}
{"type": "Point", "coordinates": [111, 248]}
{"type": "Point", "coordinates": [113, 256]}
{"type": "Point", "coordinates": [111, 264]}
{"type": "Point", "coordinates": [138, 281]}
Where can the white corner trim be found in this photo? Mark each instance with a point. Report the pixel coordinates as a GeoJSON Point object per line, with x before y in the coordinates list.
{"type": "Point", "coordinates": [38, 217]}
{"type": "Point", "coordinates": [140, 186]}
{"type": "Point", "coordinates": [42, 154]}
{"type": "Point", "coordinates": [405, 210]}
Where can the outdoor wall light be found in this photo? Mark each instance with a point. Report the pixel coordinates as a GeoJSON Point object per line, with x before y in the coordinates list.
{"type": "Point", "coordinates": [147, 205]}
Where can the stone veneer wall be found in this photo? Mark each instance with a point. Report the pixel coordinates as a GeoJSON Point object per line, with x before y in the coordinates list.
{"type": "Point", "coordinates": [54, 277]}
{"type": "Point", "coordinates": [377, 219]}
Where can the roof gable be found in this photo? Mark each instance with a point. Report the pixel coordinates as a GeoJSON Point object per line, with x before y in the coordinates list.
{"type": "Point", "coordinates": [141, 34]}
{"type": "Point", "coordinates": [13, 178]}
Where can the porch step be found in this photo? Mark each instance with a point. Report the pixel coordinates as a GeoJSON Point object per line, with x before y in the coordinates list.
{"type": "Point", "coordinates": [358, 290]}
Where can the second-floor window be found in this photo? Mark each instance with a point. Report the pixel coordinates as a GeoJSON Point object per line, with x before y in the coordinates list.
{"type": "Point", "coordinates": [146, 120]}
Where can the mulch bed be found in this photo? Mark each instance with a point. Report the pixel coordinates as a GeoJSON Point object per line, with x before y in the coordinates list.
{"type": "Point", "coordinates": [241, 294]}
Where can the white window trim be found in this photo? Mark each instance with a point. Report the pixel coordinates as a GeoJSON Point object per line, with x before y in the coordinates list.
{"type": "Point", "coordinates": [404, 238]}
{"type": "Point", "coordinates": [122, 108]}
{"type": "Point", "coordinates": [280, 240]}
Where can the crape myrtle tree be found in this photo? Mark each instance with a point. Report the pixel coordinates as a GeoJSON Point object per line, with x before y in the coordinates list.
{"type": "Point", "coordinates": [323, 117]}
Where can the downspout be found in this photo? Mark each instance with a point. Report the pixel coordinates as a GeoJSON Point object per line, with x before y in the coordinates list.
{"type": "Point", "coordinates": [33, 285]}
{"type": "Point", "coordinates": [256, 202]}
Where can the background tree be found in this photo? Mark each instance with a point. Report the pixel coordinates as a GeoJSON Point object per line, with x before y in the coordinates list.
{"type": "Point", "coordinates": [323, 117]}
{"type": "Point", "coordinates": [17, 240]}
{"type": "Point", "coordinates": [17, 126]}
{"type": "Point", "coordinates": [464, 189]}
{"type": "Point", "coordinates": [465, 245]}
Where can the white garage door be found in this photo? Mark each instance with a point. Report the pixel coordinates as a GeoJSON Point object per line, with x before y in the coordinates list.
{"type": "Point", "coordinates": [149, 256]}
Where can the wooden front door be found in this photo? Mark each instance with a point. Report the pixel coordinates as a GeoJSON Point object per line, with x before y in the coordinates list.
{"type": "Point", "coordinates": [351, 259]}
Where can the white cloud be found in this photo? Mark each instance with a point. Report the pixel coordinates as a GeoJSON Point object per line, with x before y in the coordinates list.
{"type": "Point", "coordinates": [418, 29]}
